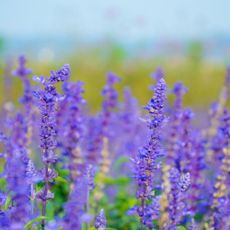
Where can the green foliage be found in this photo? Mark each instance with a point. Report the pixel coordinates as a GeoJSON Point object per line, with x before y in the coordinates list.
{"type": "Point", "coordinates": [122, 181]}
{"type": "Point", "coordinates": [3, 184]}
{"type": "Point", "coordinates": [30, 224]}
{"type": "Point", "coordinates": [8, 203]}
{"type": "Point", "coordinates": [181, 228]}
{"type": "Point", "coordinates": [61, 180]}
{"type": "Point", "coordinates": [120, 161]}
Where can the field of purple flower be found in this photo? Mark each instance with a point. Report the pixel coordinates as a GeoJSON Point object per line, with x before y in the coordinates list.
{"type": "Point", "coordinates": [125, 167]}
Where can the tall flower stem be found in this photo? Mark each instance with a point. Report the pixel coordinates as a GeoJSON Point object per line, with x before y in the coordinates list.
{"type": "Point", "coordinates": [48, 98]}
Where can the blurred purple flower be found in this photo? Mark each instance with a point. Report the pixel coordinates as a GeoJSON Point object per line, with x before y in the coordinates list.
{"type": "Point", "coordinates": [179, 185]}
{"type": "Point", "coordinates": [74, 208]}
{"type": "Point", "coordinates": [22, 72]}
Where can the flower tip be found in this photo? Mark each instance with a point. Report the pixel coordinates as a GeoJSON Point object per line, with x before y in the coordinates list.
{"type": "Point", "coordinates": [158, 74]}
{"type": "Point", "coordinates": [112, 78]}
{"type": "Point", "coordinates": [179, 89]}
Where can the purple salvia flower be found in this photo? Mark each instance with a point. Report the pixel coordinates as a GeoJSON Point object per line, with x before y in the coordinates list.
{"type": "Point", "coordinates": [183, 158]}
{"type": "Point", "coordinates": [221, 201]}
{"type": "Point", "coordinates": [148, 157]}
{"type": "Point", "coordinates": [27, 100]}
{"type": "Point", "coordinates": [74, 208]}
{"type": "Point", "coordinates": [180, 139]}
{"type": "Point", "coordinates": [22, 72]}
{"type": "Point", "coordinates": [131, 125]}
{"type": "Point", "coordinates": [175, 125]}
{"type": "Point", "coordinates": [20, 212]}
{"type": "Point", "coordinates": [99, 127]}
{"type": "Point", "coordinates": [61, 75]}
{"type": "Point", "coordinates": [93, 140]}
{"type": "Point", "coordinates": [110, 102]}
{"type": "Point", "coordinates": [100, 222]}
{"type": "Point", "coordinates": [216, 114]}
{"type": "Point", "coordinates": [216, 145]}
{"type": "Point", "coordinates": [152, 212]}
{"type": "Point", "coordinates": [19, 138]}
{"type": "Point", "coordinates": [220, 140]}
{"type": "Point", "coordinates": [74, 127]}
{"type": "Point", "coordinates": [4, 220]}
{"type": "Point", "coordinates": [179, 90]}
{"type": "Point", "coordinates": [90, 173]}
{"type": "Point", "coordinates": [19, 130]}
{"type": "Point", "coordinates": [130, 110]}
{"type": "Point", "coordinates": [196, 166]}
{"type": "Point", "coordinates": [48, 98]}
{"type": "Point", "coordinates": [179, 185]}
{"type": "Point", "coordinates": [17, 183]}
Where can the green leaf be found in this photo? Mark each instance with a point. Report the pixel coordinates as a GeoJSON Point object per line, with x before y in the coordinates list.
{"type": "Point", "coordinates": [61, 179]}
{"type": "Point", "coordinates": [120, 161]}
{"type": "Point", "coordinates": [117, 181]}
{"type": "Point", "coordinates": [8, 202]}
{"type": "Point", "coordinates": [30, 224]}
{"type": "Point", "coordinates": [180, 227]}
{"type": "Point", "coordinates": [50, 212]}
{"type": "Point", "coordinates": [2, 183]}
{"type": "Point", "coordinates": [199, 217]}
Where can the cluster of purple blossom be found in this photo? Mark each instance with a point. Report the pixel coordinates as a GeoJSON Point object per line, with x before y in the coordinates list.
{"type": "Point", "coordinates": [181, 173]}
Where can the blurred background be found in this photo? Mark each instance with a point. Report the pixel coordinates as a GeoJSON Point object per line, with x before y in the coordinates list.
{"type": "Point", "coordinates": [189, 39]}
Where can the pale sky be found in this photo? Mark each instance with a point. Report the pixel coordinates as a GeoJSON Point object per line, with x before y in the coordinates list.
{"type": "Point", "coordinates": [122, 19]}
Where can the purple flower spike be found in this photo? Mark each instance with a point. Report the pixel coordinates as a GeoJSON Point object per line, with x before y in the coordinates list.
{"type": "Point", "coordinates": [22, 72]}
{"type": "Point", "coordinates": [109, 104]}
{"type": "Point", "coordinates": [179, 90]}
{"type": "Point", "coordinates": [18, 183]}
{"type": "Point", "coordinates": [156, 106]}
{"type": "Point", "coordinates": [110, 93]}
{"type": "Point", "coordinates": [61, 75]}
{"type": "Point", "coordinates": [179, 184]}
{"type": "Point", "coordinates": [147, 161]}
{"type": "Point", "coordinates": [112, 78]}
{"type": "Point", "coordinates": [152, 212]}
{"type": "Point", "coordinates": [100, 222]}
{"type": "Point", "coordinates": [48, 98]}
{"type": "Point", "coordinates": [74, 127]}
